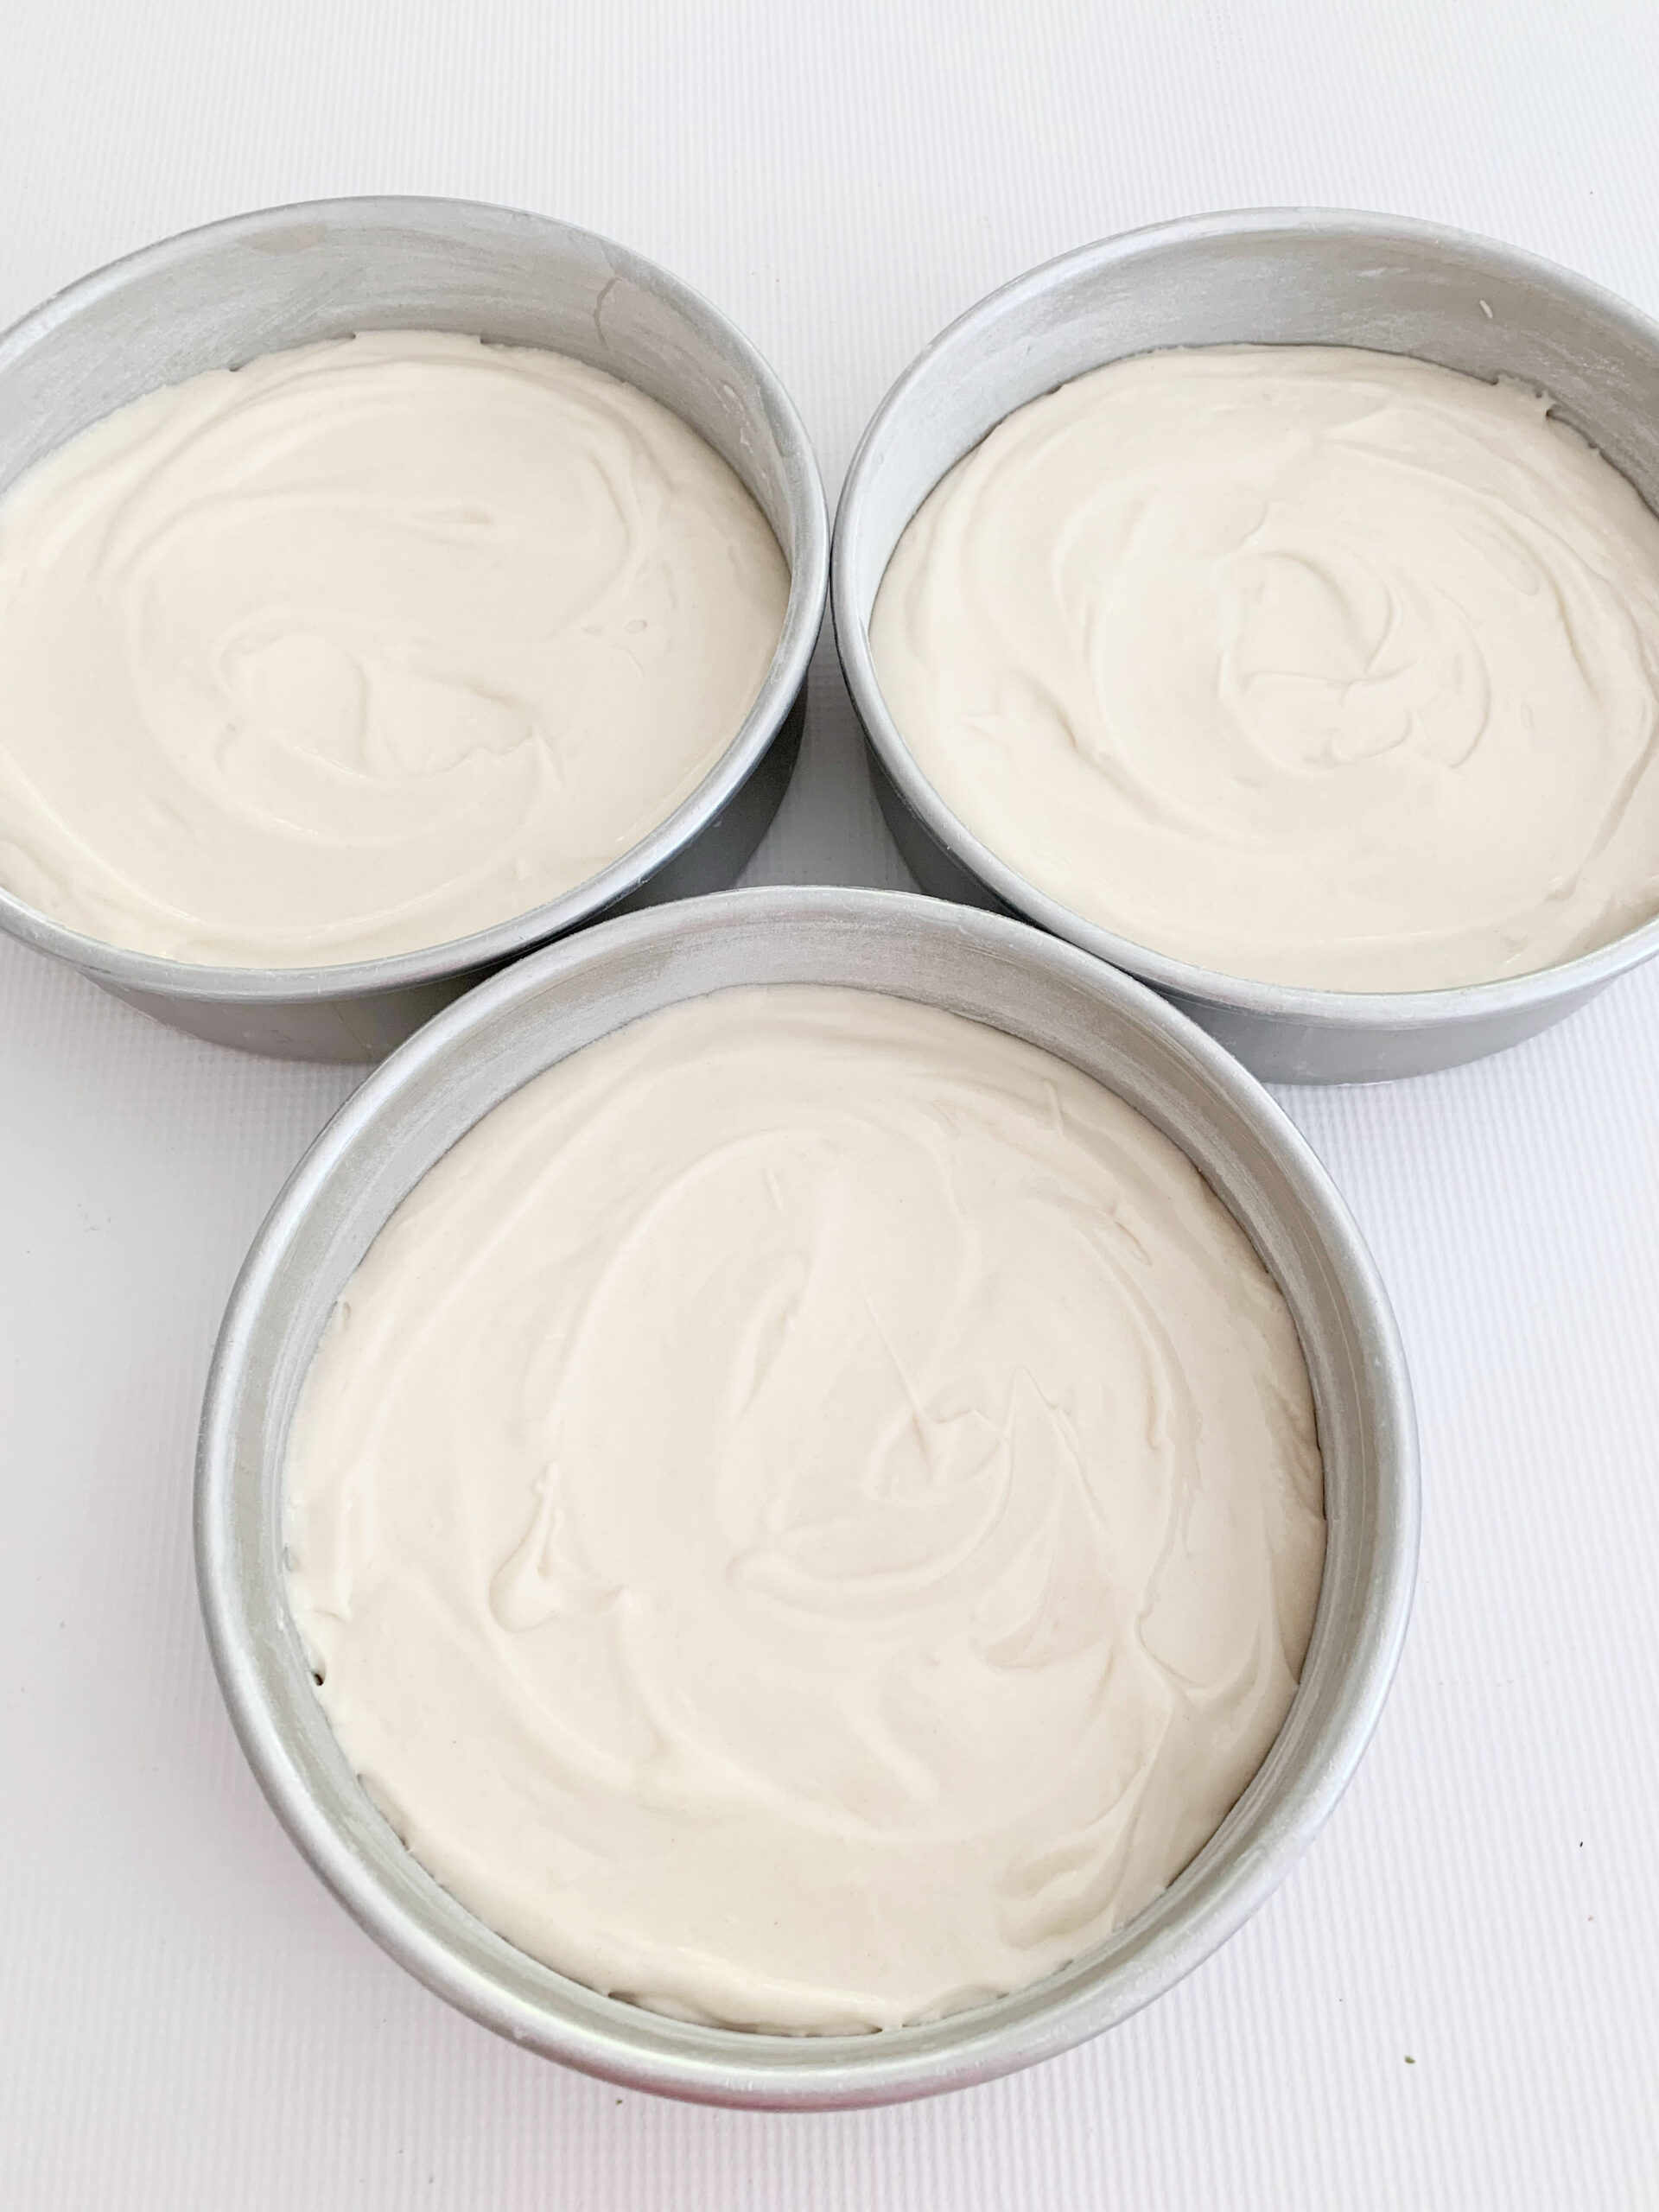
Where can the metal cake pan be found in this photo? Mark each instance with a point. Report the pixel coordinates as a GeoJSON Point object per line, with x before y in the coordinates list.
{"type": "Point", "coordinates": [1280, 277]}
{"type": "Point", "coordinates": [409, 1113]}
{"type": "Point", "coordinates": [217, 297]}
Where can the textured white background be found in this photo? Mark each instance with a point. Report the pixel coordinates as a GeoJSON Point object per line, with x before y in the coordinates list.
{"type": "Point", "coordinates": [185, 2019]}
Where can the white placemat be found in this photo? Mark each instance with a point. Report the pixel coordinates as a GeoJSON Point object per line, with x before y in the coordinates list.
{"type": "Point", "coordinates": [1455, 2001]}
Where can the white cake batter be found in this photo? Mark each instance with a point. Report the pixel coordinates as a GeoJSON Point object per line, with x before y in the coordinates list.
{"type": "Point", "coordinates": [809, 1515]}
{"type": "Point", "coordinates": [1304, 663]}
{"type": "Point", "coordinates": [365, 647]}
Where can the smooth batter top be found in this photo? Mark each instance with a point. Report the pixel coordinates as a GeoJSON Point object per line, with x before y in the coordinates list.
{"type": "Point", "coordinates": [365, 647]}
{"type": "Point", "coordinates": [1300, 662]}
{"type": "Point", "coordinates": [809, 1515]}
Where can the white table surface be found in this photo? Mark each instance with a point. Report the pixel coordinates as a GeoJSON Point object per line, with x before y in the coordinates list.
{"type": "Point", "coordinates": [1455, 2000]}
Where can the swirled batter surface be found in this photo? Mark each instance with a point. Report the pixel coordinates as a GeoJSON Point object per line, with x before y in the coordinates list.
{"type": "Point", "coordinates": [1303, 663]}
{"type": "Point", "coordinates": [809, 1515]}
{"type": "Point", "coordinates": [365, 647]}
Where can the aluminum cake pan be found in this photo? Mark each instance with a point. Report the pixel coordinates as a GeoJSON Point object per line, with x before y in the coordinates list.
{"type": "Point", "coordinates": [217, 297]}
{"type": "Point", "coordinates": [1280, 277]}
{"type": "Point", "coordinates": [409, 1113]}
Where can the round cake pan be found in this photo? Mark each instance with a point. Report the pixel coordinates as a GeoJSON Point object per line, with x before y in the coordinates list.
{"type": "Point", "coordinates": [1279, 277]}
{"type": "Point", "coordinates": [217, 297]}
{"type": "Point", "coordinates": [407, 1115]}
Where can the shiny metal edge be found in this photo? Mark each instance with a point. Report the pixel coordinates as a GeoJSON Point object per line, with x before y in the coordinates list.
{"type": "Point", "coordinates": [405, 1117]}
{"type": "Point", "coordinates": [1283, 1033]}
{"type": "Point", "coordinates": [359, 1010]}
